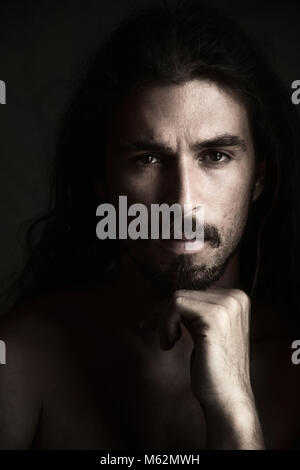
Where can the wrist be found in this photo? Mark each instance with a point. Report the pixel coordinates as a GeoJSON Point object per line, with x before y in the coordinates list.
{"type": "Point", "coordinates": [233, 426]}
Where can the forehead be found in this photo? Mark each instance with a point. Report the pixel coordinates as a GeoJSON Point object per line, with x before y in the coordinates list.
{"type": "Point", "coordinates": [197, 109]}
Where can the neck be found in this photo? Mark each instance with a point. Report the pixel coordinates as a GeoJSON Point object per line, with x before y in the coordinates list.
{"type": "Point", "coordinates": [134, 297]}
{"type": "Point", "coordinates": [139, 296]}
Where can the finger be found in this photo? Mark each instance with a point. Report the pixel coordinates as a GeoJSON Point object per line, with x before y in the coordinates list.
{"type": "Point", "coordinates": [234, 300]}
{"type": "Point", "coordinates": [187, 312]}
{"type": "Point", "coordinates": [169, 336]}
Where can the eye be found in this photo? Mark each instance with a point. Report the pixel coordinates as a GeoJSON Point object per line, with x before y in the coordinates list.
{"type": "Point", "coordinates": [147, 159]}
{"type": "Point", "coordinates": [216, 157]}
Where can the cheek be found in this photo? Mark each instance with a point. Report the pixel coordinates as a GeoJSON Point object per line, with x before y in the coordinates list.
{"type": "Point", "coordinates": [231, 199]}
{"type": "Point", "coordinates": [236, 196]}
{"type": "Point", "coordinates": [137, 186]}
{"type": "Point", "coordinates": [135, 190]}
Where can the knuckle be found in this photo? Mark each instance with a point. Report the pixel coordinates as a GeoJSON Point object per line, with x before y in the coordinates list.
{"type": "Point", "coordinates": [241, 297]}
{"type": "Point", "coordinates": [221, 315]}
{"type": "Point", "coordinates": [245, 301]}
{"type": "Point", "coordinates": [177, 299]}
{"type": "Point", "coordinates": [233, 304]}
{"type": "Point", "coordinates": [219, 309]}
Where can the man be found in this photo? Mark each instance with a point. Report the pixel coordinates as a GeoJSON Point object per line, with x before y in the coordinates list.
{"type": "Point", "coordinates": [145, 344]}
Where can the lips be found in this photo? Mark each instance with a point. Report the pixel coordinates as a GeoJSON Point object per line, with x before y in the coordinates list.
{"type": "Point", "coordinates": [181, 246]}
{"type": "Point", "coordinates": [182, 239]}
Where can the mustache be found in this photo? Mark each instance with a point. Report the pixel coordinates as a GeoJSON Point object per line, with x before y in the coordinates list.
{"type": "Point", "coordinates": [210, 232]}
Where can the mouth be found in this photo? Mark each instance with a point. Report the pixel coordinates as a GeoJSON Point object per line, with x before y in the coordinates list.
{"type": "Point", "coordinates": [180, 246]}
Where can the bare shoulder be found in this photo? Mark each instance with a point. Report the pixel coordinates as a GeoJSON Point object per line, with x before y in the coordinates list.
{"type": "Point", "coordinates": [39, 361]}
{"type": "Point", "coordinates": [37, 325]}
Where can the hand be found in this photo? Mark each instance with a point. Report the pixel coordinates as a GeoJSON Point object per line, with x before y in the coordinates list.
{"type": "Point", "coordinates": [218, 321]}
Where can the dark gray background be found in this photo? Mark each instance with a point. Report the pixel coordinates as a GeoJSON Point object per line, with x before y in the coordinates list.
{"type": "Point", "coordinates": [42, 44]}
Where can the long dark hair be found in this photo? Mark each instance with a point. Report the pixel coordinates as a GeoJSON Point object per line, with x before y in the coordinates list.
{"type": "Point", "coordinates": [170, 45]}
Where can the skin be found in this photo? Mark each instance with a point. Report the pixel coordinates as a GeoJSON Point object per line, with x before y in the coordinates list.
{"type": "Point", "coordinates": [148, 367]}
{"type": "Point", "coordinates": [177, 121]}
{"type": "Point", "coordinates": [171, 119]}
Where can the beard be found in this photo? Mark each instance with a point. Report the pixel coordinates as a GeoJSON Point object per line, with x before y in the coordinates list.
{"type": "Point", "coordinates": [183, 271]}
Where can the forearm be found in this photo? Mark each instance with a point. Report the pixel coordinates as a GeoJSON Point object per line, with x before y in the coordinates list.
{"type": "Point", "coordinates": [234, 428]}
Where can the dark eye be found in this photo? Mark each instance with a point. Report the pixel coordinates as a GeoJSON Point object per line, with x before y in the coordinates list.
{"type": "Point", "coordinates": [147, 159]}
{"type": "Point", "coordinates": [216, 157]}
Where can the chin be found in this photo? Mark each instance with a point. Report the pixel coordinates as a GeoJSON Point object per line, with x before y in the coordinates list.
{"type": "Point", "coordinates": [182, 273]}
{"type": "Point", "coordinates": [170, 271]}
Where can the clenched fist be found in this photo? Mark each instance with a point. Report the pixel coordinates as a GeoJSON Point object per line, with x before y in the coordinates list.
{"type": "Point", "coordinates": [218, 321]}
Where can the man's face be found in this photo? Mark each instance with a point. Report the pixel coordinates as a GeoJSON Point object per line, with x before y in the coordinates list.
{"type": "Point", "coordinates": [186, 144]}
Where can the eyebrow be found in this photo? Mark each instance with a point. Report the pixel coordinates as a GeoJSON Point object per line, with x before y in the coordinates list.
{"type": "Point", "coordinates": [223, 140]}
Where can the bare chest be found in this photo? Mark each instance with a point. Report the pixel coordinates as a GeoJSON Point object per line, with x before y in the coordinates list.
{"type": "Point", "coordinates": [113, 400]}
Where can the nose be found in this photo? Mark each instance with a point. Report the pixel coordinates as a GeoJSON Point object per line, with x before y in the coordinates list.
{"type": "Point", "coordinates": [184, 183]}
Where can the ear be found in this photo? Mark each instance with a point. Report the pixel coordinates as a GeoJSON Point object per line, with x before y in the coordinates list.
{"type": "Point", "coordinates": [259, 180]}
